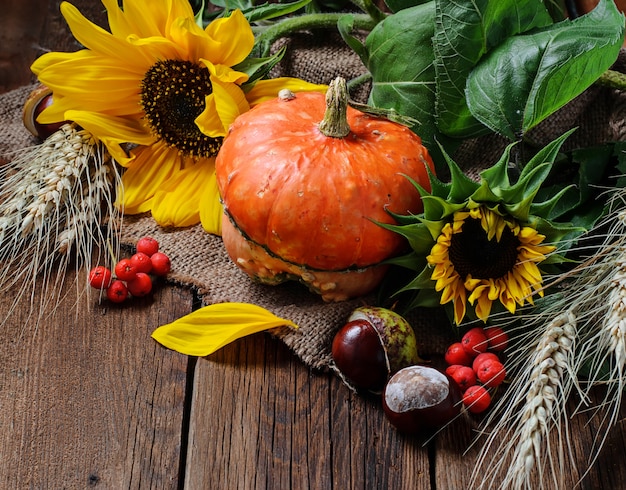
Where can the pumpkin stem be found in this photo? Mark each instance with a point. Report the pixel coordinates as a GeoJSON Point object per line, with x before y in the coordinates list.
{"type": "Point", "coordinates": [335, 122]}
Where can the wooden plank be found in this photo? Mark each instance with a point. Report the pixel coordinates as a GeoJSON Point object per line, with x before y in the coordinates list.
{"type": "Point", "coordinates": [260, 419]}
{"type": "Point", "coordinates": [89, 398]}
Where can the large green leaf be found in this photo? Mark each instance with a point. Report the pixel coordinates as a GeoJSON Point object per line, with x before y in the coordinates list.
{"type": "Point", "coordinates": [400, 60]}
{"type": "Point", "coordinates": [528, 77]}
{"type": "Point", "coordinates": [397, 5]}
{"type": "Point", "coordinates": [465, 31]}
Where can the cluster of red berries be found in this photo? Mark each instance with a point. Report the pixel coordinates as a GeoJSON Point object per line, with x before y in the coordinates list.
{"type": "Point", "coordinates": [475, 365]}
{"type": "Point", "coordinates": [132, 275]}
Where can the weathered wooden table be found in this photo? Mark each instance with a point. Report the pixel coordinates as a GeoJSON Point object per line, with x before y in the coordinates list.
{"type": "Point", "coordinates": [88, 399]}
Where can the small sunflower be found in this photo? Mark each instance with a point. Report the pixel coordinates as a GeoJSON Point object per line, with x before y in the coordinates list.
{"type": "Point", "coordinates": [159, 81]}
{"type": "Point", "coordinates": [484, 242]}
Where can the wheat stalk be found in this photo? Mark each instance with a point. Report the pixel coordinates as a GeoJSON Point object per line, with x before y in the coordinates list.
{"type": "Point", "coordinates": [586, 328]}
{"type": "Point", "coordinates": [537, 403]}
{"type": "Point", "coordinates": [54, 201]}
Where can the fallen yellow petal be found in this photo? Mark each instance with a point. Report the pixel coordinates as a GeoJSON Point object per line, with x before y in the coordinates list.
{"type": "Point", "coordinates": [212, 327]}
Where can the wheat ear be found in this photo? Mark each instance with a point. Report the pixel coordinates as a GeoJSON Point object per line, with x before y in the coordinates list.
{"type": "Point", "coordinates": [54, 201]}
{"type": "Point", "coordinates": [535, 405]}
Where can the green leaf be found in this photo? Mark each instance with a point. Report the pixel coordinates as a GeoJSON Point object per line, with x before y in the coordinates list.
{"type": "Point", "coordinates": [465, 31]}
{"type": "Point", "coordinates": [256, 13]}
{"type": "Point", "coordinates": [410, 261]}
{"type": "Point", "coordinates": [587, 168]}
{"type": "Point", "coordinates": [198, 15]}
{"type": "Point", "coordinates": [345, 25]}
{"type": "Point", "coordinates": [548, 153]}
{"type": "Point", "coordinates": [528, 77]}
{"type": "Point", "coordinates": [257, 68]}
{"type": "Point", "coordinates": [210, 328]}
{"type": "Point", "coordinates": [397, 5]}
{"type": "Point", "coordinates": [268, 11]}
{"type": "Point", "coordinates": [400, 59]}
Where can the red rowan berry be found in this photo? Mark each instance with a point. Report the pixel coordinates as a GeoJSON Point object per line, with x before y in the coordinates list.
{"type": "Point", "coordinates": [141, 285]}
{"type": "Point", "coordinates": [141, 262]}
{"type": "Point", "coordinates": [161, 264]}
{"type": "Point", "coordinates": [100, 277]}
{"type": "Point", "coordinates": [117, 292]}
{"type": "Point", "coordinates": [463, 375]}
{"type": "Point", "coordinates": [491, 373]}
{"type": "Point", "coordinates": [125, 270]}
{"type": "Point", "coordinates": [474, 341]}
{"type": "Point", "coordinates": [455, 354]}
{"type": "Point", "coordinates": [148, 246]}
{"type": "Point", "coordinates": [497, 338]}
{"type": "Point", "coordinates": [484, 356]}
{"type": "Point", "coordinates": [477, 399]}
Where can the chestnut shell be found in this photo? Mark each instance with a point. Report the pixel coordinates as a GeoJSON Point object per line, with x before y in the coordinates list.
{"type": "Point", "coordinates": [421, 398]}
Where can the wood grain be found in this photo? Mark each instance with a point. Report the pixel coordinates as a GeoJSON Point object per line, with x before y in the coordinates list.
{"type": "Point", "coordinates": [269, 422]}
{"type": "Point", "coordinates": [88, 398]}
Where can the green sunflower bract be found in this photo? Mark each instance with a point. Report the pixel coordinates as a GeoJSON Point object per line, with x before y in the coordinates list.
{"type": "Point", "coordinates": [483, 243]}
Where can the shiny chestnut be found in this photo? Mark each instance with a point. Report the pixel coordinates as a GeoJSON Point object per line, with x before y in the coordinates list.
{"type": "Point", "coordinates": [374, 343]}
{"type": "Point", "coordinates": [359, 355]}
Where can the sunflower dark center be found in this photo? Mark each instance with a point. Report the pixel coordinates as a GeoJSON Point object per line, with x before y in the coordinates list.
{"type": "Point", "coordinates": [471, 252]}
{"type": "Point", "coordinates": [172, 97]}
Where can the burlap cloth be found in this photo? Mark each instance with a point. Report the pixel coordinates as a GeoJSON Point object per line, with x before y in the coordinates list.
{"type": "Point", "coordinates": [200, 261]}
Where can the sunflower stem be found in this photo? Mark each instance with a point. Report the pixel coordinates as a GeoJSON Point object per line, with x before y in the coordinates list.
{"type": "Point", "coordinates": [335, 122]}
{"type": "Point", "coordinates": [268, 36]}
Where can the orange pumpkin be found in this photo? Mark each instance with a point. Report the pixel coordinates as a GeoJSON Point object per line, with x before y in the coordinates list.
{"type": "Point", "coordinates": [304, 179]}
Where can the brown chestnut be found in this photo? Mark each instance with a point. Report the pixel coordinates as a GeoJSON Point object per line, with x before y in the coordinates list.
{"type": "Point", "coordinates": [372, 345]}
{"type": "Point", "coordinates": [421, 398]}
{"type": "Point", "coordinates": [38, 100]}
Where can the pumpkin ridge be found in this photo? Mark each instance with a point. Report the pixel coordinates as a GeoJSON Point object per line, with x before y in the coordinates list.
{"type": "Point", "coordinates": [272, 254]}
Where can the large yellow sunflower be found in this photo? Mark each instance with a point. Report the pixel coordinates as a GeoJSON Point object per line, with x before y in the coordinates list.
{"type": "Point", "coordinates": [161, 82]}
{"type": "Point", "coordinates": [491, 258]}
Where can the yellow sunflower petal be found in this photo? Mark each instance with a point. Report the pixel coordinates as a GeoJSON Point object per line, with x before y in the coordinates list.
{"type": "Point", "coordinates": [529, 273]}
{"type": "Point", "coordinates": [131, 20]}
{"type": "Point", "coordinates": [98, 84]}
{"type": "Point", "coordinates": [509, 301]}
{"type": "Point", "coordinates": [151, 168]}
{"type": "Point", "coordinates": [210, 328]}
{"type": "Point", "coordinates": [233, 38]}
{"type": "Point", "coordinates": [222, 107]}
{"type": "Point", "coordinates": [177, 201]}
{"type": "Point", "coordinates": [514, 288]}
{"type": "Point", "coordinates": [471, 283]}
{"type": "Point", "coordinates": [224, 74]}
{"type": "Point", "coordinates": [93, 36]}
{"type": "Point", "coordinates": [483, 307]}
{"type": "Point", "coordinates": [441, 270]}
{"type": "Point", "coordinates": [112, 131]}
{"type": "Point", "coordinates": [446, 281]}
{"type": "Point", "coordinates": [478, 292]}
{"type": "Point", "coordinates": [460, 305]}
{"type": "Point", "coordinates": [189, 38]}
{"type": "Point", "coordinates": [135, 18]}
{"type": "Point", "coordinates": [211, 209]}
{"type": "Point", "coordinates": [268, 89]}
